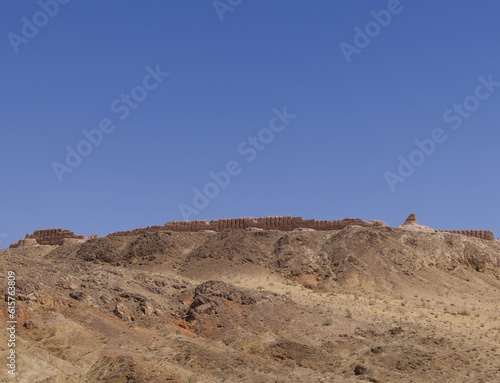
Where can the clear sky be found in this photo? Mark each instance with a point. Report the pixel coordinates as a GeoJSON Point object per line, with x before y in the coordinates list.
{"type": "Point", "coordinates": [313, 106]}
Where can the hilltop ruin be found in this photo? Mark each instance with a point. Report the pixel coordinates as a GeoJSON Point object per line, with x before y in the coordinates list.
{"type": "Point", "coordinates": [54, 237]}
{"type": "Point", "coordinates": [60, 237]}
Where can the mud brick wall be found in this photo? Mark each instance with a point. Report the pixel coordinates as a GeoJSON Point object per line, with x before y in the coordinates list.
{"type": "Point", "coordinates": [53, 236]}
{"type": "Point", "coordinates": [483, 234]}
{"type": "Point", "coordinates": [23, 243]}
{"type": "Point", "coordinates": [282, 223]}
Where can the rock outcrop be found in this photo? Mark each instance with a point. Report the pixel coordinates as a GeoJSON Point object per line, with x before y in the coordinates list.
{"type": "Point", "coordinates": [53, 237]}
{"type": "Point", "coordinates": [412, 224]}
{"type": "Point", "coordinates": [411, 220]}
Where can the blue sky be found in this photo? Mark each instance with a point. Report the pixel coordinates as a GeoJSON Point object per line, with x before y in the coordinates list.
{"type": "Point", "coordinates": [231, 69]}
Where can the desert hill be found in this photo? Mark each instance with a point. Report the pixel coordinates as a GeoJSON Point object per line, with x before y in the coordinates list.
{"type": "Point", "coordinates": [357, 303]}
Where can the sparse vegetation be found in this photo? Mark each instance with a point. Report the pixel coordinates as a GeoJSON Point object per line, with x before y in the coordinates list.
{"type": "Point", "coordinates": [327, 322]}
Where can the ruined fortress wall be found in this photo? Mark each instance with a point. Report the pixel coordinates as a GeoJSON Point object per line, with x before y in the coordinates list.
{"type": "Point", "coordinates": [53, 236]}
{"type": "Point", "coordinates": [483, 234]}
{"type": "Point", "coordinates": [46, 237]}
{"type": "Point", "coordinates": [282, 223]}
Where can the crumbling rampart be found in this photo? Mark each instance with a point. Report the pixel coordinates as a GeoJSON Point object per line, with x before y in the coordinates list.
{"type": "Point", "coordinates": [483, 234]}
{"type": "Point", "coordinates": [282, 223]}
{"type": "Point", "coordinates": [48, 237]}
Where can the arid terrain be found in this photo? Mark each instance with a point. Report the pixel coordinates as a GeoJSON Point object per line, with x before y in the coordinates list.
{"type": "Point", "coordinates": [376, 304]}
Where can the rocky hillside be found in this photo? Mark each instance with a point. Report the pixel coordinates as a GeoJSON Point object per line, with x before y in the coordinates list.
{"type": "Point", "coordinates": [370, 303]}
